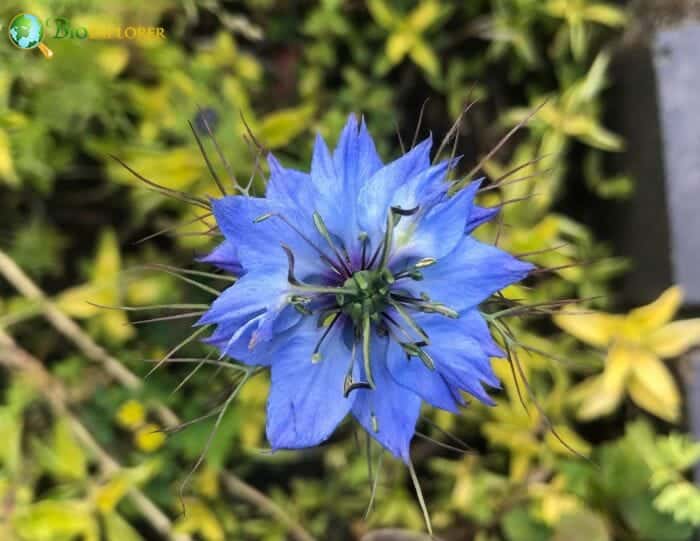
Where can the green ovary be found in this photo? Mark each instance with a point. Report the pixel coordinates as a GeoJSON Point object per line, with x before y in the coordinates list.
{"type": "Point", "coordinates": [369, 297]}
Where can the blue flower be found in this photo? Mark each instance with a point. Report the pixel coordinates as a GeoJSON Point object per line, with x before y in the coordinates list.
{"type": "Point", "coordinates": [359, 286]}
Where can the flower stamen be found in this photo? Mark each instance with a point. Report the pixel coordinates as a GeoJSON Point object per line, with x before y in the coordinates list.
{"type": "Point", "coordinates": [323, 255]}
{"type": "Point", "coordinates": [366, 336]}
{"type": "Point", "coordinates": [316, 356]}
{"type": "Point", "coordinates": [349, 385]}
{"type": "Point", "coordinates": [323, 230]}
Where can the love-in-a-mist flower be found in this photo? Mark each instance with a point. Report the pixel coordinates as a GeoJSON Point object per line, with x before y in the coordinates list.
{"type": "Point", "coordinates": [359, 286]}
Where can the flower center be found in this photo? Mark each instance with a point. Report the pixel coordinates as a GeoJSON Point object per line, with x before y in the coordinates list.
{"type": "Point", "coordinates": [367, 295]}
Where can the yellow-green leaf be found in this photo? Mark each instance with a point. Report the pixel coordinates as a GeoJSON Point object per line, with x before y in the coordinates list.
{"type": "Point", "coordinates": [675, 338]}
{"type": "Point", "coordinates": [107, 496]}
{"type": "Point", "coordinates": [7, 170]}
{"type": "Point", "coordinates": [199, 519]}
{"type": "Point", "coordinates": [398, 44]}
{"type": "Point", "coordinates": [570, 438]}
{"type": "Point", "coordinates": [605, 14]}
{"type": "Point", "coordinates": [118, 529]}
{"type": "Point", "coordinates": [578, 38]}
{"type": "Point", "coordinates": [581, 525]}
{"type": "Point", "coordinates": [115, 325]}
{"type": "Point", "coordinates": [594, 399]}
{"type": "Point", "coordinates": [592, 133]}
{"type": "Point", "coordinates": [653, 388]}
{"type": "Point", "coordinates": [177, 168]}
{"type": "Point", "coordinates": [113, 59]}
{"type": "Point", "coordinates": [104, 285]}
{"type": "Point", "coordinates": [279, 128]}
{"type": "Point", "coordinates": [63, 457]}
{"type": "Point", "coordinates": [75, 301]}
{"type": "Point", "coordinates": [11, 437]}
{"type": "Point", "coordinates": [619, 363]}
{"type": "Point", "coordinates": [660, 311]}
{"type": "Point", "coordinates": [595, 79]}
{"type": "Point", "coordinates": [382, 14]}
{"type": "Point", "coordinates": [50, 520]}
{"type": "Point", "coordinates": [421, 18]}
{"type": "Point", "coordinates": [594, 328]}
{"type": "Point", "coordinates": [108, 261]}
{"type": "Point", "coordinates": [423, 55]}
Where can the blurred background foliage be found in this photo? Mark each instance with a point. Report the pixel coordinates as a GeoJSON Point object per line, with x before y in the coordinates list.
{"type": "Point", "coordinates": [84, 454]}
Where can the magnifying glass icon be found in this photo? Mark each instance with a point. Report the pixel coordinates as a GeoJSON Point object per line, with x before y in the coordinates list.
{"type": "Point", "coordinates": [26, 32]}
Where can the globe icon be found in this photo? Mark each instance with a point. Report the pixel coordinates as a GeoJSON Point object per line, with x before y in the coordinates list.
{"type": "Point", "coordinates": [26, 31]}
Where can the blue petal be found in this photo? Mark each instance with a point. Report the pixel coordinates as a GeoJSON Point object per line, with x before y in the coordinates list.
{"type": "Point", "coordinates": [415, 376]}
{"type": "Point", "coordinates": [437, 231]}
{"type": "Point", "coordinates": [355, 160]}
{"type": "Point", "coordinates": [479, 330]}
{"type": "Point", "coordinates": [306, 400]}
{"type": "Point", "coordinates": [289, 187]}
{"type": "Point", "coordinates": [250, 312]}
{"type": "Point", "coordinates": [323, 173]}
{"type": "Point", "coordinates": [277, 319]}
{"type": "Point", "coordinates": [224, 256]}
{"type": "Point", "coordinates": [377, 195]}
{"type": "Point", "coordinates": [259, 244]}
{"type": "Point", "coordinates": [234, 341]}
{"type": "Point", "coordinates": [333, 203]}
{"type": "Point", "coordinates": [480, 215]}
{"type": "Point", "coordinates": [460, 353]}
{"type": "Point", "coordinates": [253, 293]}
{"type": "Point", "coordinates": [426, 188]}
{"type": "Point", "coordinates": [355, 157]}
{"type": "Point", "coordinates": [329, 189]}
{"type": "Point", "coordinates": [469, 274]}
{"type": "Point", "coordinates": [394, 407]}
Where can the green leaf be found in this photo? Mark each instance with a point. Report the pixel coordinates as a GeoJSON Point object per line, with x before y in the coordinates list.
{"type": "Point", "coordinates": [605, 14]}
{"type": "Point", "coordinates": [7, 170]}
{"type": "Point", "coordinates": [200, 519]}
{"type": "Point", "coordinates": [176, 168]}
{"type": "Point", "coordinates": [38, 248]}
{"type": "Point", "coordinates": [423, 55]}
{"type": "Point", "coordinates": [279, 128]}
{"type": "Point", "coordinates": [425, 15]}
{"type": "Point", "coordinates": [382, 14]}
{"type": "Point", "coordinates": [595, 79]}
{"type": "Point", "coordinates": [11, 437]}
{"type": "Point", "coordinates": [680, 500]}
{"type": "Point", "coordinates": [118, 529]}
{"type": "Point", "coordinates": [52, 520]}
{"type": "Point", "coordinates": [649, 524]}
{"type": "Point", "coordinates": [579, 39]}
{"type": "Point", "coordinates": [62, 457]}
{"type": "Point", "coordinates": [582, 525]}
{"type": "Point", "coordinates": [653, 388]}
{"type": "Point", "coordinates": [398, 44]}
{"type": "Point", "coordinates": [108, 495]}
{"type": "Point", "coordinates": [591, 132]}
{"type": "Point", "coordinates": [519, 525]}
